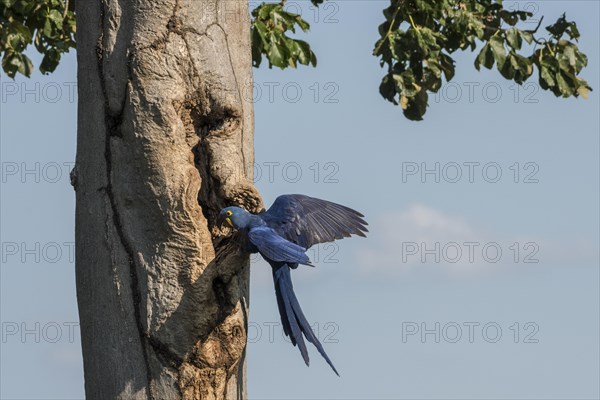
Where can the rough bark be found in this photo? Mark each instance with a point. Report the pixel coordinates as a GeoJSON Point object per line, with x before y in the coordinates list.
{"type": "Point", "coordinates": [164, 142]}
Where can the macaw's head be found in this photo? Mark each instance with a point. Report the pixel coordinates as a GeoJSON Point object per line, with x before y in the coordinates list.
{"type": "Point", "coordinates": [235, 217]}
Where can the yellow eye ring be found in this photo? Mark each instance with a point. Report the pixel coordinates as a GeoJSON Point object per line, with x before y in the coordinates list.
{"type": "Point", "coordinates": [229, 213]}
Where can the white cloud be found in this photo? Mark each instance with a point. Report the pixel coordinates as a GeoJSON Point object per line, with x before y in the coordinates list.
{"type": "Point", "coordinates": [422, 236]}
{"type": "Point", "coordinates": [428, 223]}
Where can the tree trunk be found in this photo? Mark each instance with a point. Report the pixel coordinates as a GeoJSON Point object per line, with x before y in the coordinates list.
{"type": "Point", "coordinates": [165, 140]}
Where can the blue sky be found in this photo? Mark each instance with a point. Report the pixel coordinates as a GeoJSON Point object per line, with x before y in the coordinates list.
{"type": "Point", "coordinates": [470, 285]}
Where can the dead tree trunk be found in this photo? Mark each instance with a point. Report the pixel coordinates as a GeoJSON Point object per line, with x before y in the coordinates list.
{"type": "Point", "coordinates": [165, 139]}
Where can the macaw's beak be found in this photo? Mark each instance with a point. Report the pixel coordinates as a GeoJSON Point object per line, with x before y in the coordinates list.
{"type": "Point", "coordinates": [223, 218]}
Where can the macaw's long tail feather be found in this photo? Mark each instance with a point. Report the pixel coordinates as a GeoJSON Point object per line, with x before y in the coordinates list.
{"type": "Point", "coordinates": [293, 319]}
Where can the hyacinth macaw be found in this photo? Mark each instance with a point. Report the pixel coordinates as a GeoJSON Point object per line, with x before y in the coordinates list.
{"type": "Point", "coordinates": [282, 235]}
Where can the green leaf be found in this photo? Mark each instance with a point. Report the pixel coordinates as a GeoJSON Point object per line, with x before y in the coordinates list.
{"type": "Point", "coordinates": [546, 78]}
{"type": "Point", "coordinates": [261, 30]}
{"type": "Point", "coordinates": [303, 53]}
{"type": "Point", "coordinates": [417, 106]}
{"type": "Point", "coordinates": [10, 64]}
{"type": "Point", "coordinates": [387, 89]}
{"type": "Point", "coordinates": [264, 11]}
{"type": "Point", "coordinates": [56, 17]}
{"type": "Point", "coordinates": [278, 55]}
{"type": "Point", "coordinates": [447, 65]}
{"type": "Point", "coordinates": [507, 70]}
{"type": "Point", "coordinates": [562, 26]}
{"type": "Point", "coordinates": [559, 27]}
{"type": "Point", "coordinates": [569, 55]}
{"type": "Point", "coordinates": [526, 36]}
{"type": "Point", "coordinates": [48, 28]}
{"type": "Point", "coordinates": [22, 32]}
{"type": "Point", "coordinates": [574, 32]}
{"type": "Point", "coordinates": [305, 26]}
{"type": "Point", "coordinates": [583, 91]}
{"type": "Point", "coordinates": [25, 66]}
{"type": "Point", "coordinates": [522, 67]}
{"type": "Point", "coordinates": [513, 17]}
{"type": "Point", "coordinates": [563, 85]}
{"type": "Point", "coordinates": [50, 61]}
{"type": "Point", "coordinates": [514, 39]}
{"type": "Point", "coordinates": [485, 58]}
{"type": "Point", "coordinates": [256, 56]}
{"type": "Point", "coordinates": [23, 7]}
{"type": "Point", "coordinates": [498, 50]}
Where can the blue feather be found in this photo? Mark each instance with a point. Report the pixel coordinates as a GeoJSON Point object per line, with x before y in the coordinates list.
{"type": "Point", "coordinates": [294, 322]}
{"type": "Point", "coordinates": [275, 248]}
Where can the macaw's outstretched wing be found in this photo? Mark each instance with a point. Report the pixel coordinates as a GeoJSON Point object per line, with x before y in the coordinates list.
{"type": "Point", "coordinates": [275, 248]}
{"type": "Point", "coordinates": [307, 221]}
{"type": "Point", "coordinates": [292, 318]}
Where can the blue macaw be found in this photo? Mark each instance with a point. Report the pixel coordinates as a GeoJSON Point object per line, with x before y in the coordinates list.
{"type": "Point", "coordinates": [282, 235]}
